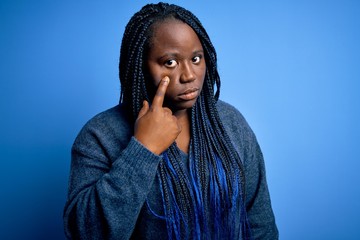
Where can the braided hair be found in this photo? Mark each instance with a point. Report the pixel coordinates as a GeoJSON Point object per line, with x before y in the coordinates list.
{"type": "Point", "coordinates": [206, 203]}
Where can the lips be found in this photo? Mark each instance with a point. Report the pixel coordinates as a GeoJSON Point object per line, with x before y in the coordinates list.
{"type": "Point", "coordinates": [189, 94]}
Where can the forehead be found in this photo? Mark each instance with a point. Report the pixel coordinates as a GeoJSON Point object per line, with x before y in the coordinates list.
{"type": "Point", "coordinates": [174, 33]}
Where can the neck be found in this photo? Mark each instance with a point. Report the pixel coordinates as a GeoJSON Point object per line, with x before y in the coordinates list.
{"type": "Point", "coordinates": [181, 115]}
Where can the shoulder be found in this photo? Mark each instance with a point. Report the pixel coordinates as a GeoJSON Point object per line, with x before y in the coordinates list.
{"type": "Point", "coordinates": [230, 116]}
{"type": "Point", "coordinates": [108, 128]}
{"type": "Point", "coordinates": [227, 110]}
{"type": "Point", "coordinates": [111, 118]}
{"type": "Point", "coordinates": [237, 128]}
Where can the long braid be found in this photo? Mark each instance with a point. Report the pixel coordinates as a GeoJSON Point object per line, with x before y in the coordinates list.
{"type": "Point", "coordinates": [211, 188]}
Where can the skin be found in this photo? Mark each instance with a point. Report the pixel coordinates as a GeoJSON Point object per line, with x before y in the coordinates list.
{"type": "Point", "coordinates": [177, 67]}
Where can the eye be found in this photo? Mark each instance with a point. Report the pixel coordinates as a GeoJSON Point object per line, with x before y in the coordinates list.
{"type": "Point", "coordinates": [171, 63]}
{"type": "Point", "coordinates": [196, 59]}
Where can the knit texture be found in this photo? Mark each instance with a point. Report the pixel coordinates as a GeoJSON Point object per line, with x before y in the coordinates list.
{"type": "Point", "coordinates": [114, 189]}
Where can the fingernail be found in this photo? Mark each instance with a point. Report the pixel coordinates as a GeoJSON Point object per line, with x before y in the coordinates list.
{"type": "Point", "coordinates": [166, 80]}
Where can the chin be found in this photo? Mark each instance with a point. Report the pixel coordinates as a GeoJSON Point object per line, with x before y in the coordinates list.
{"type": "Point", "coordinates": [183, 105]}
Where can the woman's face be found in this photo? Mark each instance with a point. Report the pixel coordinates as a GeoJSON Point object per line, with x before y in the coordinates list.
{"type": "Point", "coordinates": [175, 51]}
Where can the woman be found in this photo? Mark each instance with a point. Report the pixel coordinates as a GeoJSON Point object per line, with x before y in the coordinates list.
{"type": "Point", "coordinates": [171, 161]}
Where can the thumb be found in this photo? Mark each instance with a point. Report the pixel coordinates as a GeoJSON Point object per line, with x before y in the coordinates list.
{"type": "Point", "coordinates": [144, 109]}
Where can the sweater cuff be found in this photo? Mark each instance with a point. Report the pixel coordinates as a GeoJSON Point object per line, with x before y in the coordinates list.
{"type": "Point", "coordinates": [137, 159]}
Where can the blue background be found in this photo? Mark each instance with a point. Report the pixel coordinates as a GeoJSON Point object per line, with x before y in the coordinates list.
{"type": "Point", "coordinates": [291, 67]}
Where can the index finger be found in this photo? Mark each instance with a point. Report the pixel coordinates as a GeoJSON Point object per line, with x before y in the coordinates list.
{"type": "Point", "coordinates": [160, 92]}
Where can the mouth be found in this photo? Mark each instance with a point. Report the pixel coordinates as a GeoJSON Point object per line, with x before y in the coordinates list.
{"type": "Point", "coordinates": [189, 94]}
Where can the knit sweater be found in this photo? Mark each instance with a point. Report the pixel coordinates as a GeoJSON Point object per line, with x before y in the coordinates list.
{"type": "Point", "coordinates": [114, 190]}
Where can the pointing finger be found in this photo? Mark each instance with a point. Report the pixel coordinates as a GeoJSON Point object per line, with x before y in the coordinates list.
{"type": "Point", "coordinates": [160, 93]}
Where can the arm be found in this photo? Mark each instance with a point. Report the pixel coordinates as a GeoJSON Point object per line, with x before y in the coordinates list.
{"type": "Point", "coordinates": [258, 202]}
{"type": "Point", "coordinates": [109, 186]}
{"type": "Point", "coordinates": [105, 197]}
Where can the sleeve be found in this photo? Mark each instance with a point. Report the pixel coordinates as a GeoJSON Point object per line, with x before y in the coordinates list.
{"type": "Point", "coordinates": [105, 196]}
{"type": "Point", "coordinates": [258, 203]}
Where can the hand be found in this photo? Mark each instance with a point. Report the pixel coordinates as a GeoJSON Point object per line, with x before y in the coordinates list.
{"type": "Point", "coordinates": [156, 127]}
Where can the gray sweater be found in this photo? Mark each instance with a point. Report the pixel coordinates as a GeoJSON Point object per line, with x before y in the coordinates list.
{"type": "Point", "coordinates": [113, 181]}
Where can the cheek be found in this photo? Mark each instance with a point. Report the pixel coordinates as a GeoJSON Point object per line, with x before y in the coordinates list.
{"type": "Point", "coordinates": [171, 89]}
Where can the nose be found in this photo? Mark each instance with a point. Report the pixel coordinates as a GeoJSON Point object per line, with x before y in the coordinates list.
{"type": "Point", "coordinates": [187, 73]}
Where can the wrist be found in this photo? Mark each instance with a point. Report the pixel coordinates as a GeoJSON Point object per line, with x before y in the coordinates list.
{"type": "Point", "coordinates": [149, 147]}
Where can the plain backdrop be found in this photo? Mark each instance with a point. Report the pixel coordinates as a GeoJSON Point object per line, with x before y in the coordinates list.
{"type": "Point", "coordinates": [291, 67]}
